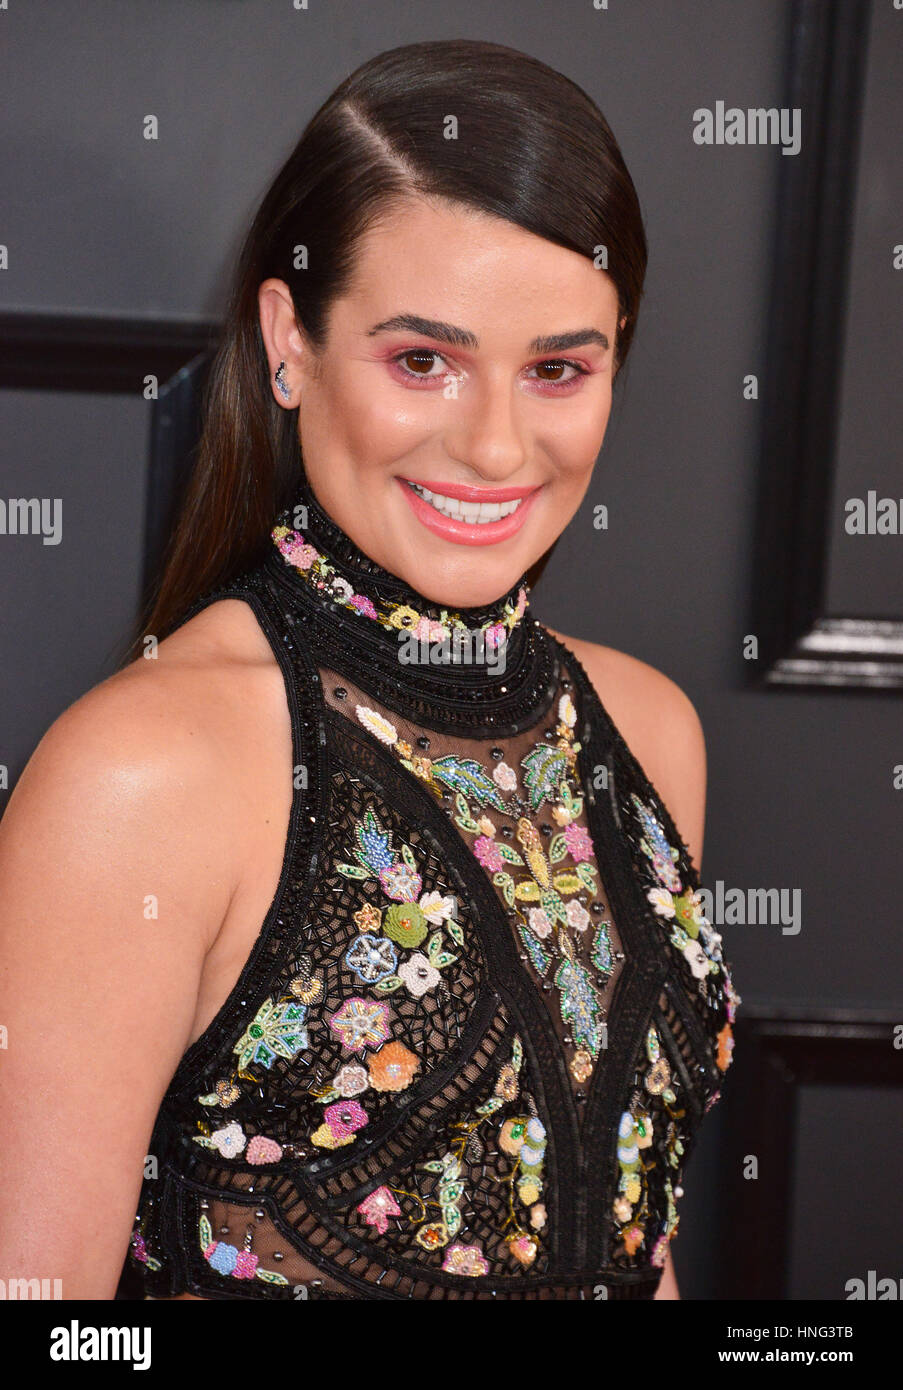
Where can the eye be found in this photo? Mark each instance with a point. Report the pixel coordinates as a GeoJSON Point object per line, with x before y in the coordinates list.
{"type": "Point", "coordinates": [416, 362]}
{"type": "Point", "coordinates": [557, 365]}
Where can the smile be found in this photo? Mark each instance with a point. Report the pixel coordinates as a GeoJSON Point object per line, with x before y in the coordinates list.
{"type": "Point", "coordinates": [474, 513]}
{"type": "Point", "coordinates": [467, 515]}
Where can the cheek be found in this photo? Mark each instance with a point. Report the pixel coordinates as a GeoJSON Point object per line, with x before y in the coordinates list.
{"type": "Point", "coordinates": [378, 422]}
{"type": "Point", "coordinates": [577, 436]}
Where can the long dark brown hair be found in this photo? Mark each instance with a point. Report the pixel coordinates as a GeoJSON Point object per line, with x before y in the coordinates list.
{"type": "Point", "coordinates": [531, 148]}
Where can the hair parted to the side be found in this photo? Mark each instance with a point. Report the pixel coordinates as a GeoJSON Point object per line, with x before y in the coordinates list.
{"type": "Point", "coordinates": [531, 148]}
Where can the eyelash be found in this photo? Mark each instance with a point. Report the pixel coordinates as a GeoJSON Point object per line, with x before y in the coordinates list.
{"type": "Point", "coordinates": [398, 360]}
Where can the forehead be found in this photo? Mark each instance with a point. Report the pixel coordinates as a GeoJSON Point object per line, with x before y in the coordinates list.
{"type": "Point", "coordinates": [436, 258]}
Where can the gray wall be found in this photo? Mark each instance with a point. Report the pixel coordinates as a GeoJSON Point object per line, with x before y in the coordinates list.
{"type": "Point", "coordinates": [100, 221]}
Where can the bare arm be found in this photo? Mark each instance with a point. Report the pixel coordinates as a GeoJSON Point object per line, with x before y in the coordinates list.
{"type": "Point", "coordinates": [115, 874]}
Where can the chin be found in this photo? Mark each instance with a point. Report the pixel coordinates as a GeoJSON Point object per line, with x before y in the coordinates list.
{"type": "Point", "coordinates": [470, 591]}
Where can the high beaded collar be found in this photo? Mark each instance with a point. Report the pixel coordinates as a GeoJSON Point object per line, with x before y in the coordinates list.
{"type": "Point", "coordinates": [329, 566]}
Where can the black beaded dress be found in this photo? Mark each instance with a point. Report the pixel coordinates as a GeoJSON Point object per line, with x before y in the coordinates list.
{"type": "Point", "coordinates": [472, 1047]}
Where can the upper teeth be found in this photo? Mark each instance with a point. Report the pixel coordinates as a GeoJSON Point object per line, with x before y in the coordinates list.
{"type": "Point", "coordinates": [474, 513]}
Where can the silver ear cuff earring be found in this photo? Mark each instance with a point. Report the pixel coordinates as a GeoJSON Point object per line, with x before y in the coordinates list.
{"type": "Point", "coordinates": [281, 382]}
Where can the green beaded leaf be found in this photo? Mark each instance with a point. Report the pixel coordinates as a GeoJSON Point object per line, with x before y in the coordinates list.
{"type": "Point", "coordinates": [509, 854]}
{"type": "Point", "coordinates": [552, 905]}
{"type": "Point", "coordinates": [352, 871]}
{"type": "Point", "coordinates": [389, 984]}
{"type": "Point", "coordinates": [586, 873]}
{"type": "Point", "coordinates": [407, 855]}
{"type": "Point", "coordinates": [506, 883]}
{"type": "Point", "coordinates": [205, 1231]}
{"type": "Point", "coordinates": [455, 932]}
{"type": "Point", "coordinates": [490, 1106]}
{"type": "Point", "coordinates": [468, 776]}
{"type": "Point", "coordinates": [433, 1166]}
{"type": "Point", "coordinates": [543, 767]}
{"type": "Point", "coordinates": [527, 891]}
{"type": "Point", "coordinates": [558, 847]}
{"type": "Point", "coordinates": [435, 954]}
{"type": "Point", "coordinates": [517, 1053]}
{"type": "Point", "coordinates": [269, 1276]}
{"type": "Point", "coordinates": [452, 1219]}
{"type": "Point", "coordinates": [464, 819]}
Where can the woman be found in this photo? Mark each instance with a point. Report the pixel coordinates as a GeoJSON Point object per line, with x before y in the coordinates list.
{"type": "Point", "coordinates": [467, 1051]}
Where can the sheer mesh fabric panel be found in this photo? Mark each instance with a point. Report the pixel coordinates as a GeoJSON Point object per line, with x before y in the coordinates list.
{"type": "Point", "coordinates": [514, 749]}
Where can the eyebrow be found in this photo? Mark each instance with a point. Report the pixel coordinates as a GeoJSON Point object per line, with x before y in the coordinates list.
{"type": "Point", "coordinates": [461, 337]}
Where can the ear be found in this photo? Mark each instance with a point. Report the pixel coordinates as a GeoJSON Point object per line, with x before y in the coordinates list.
{"type": "Point", "coordinates": [282, 339]}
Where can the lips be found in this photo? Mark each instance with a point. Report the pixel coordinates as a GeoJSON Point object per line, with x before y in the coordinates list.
{"type": "Point", "coordinates": [472, 529]}
{"type": "Point", "coordinates": [462, 492]}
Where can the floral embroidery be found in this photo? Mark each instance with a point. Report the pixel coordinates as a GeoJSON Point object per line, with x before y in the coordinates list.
{"type": "Point", "coordinates": [418, 975]}
{"type": "Point", "coordinates": [638, 1127]}
{"type": "Point", "coordinates": [691, 933]}
{"type": "Point", "coordinates": [277, 1030]}
{"type": "Point", "coordinates": [522, 1138]}
{"type": "Point", "coordinates": [316, 570]}
{"type": "Point", "coordinates": [393, 1067]}
{"type": "Point", "coordinates": [546, 897]}
{"type": "Point", "coordinates": [340, 1124]}
{"type": "Point", "coordinates": [375, 959]}
{"type": "Point", "coordinates": [263, 1150]}
{"type": "Point", "coordinates": [361, 1023]}
{"type": "Point", "coordinates": [505, 777]}
{"type": "Point", "coordinates": [465, 1259]}
{"type": "Point", "coordinates": [371, 958]}
{"type": "Point", "coordinates": [224, 1094]}
{"type": "Point", "coordinates": [405, 924]}
{"type": "Point", "coordinates": [231, 1141]}
{"type": "Point", "coordinates": [367, 917]}
{"type": "Point", "coordinates": [350, 1080]}
{"type": "Point", "coordinates": [378, 1207]}
{"type": "Point", "coordinates": [230, 1261]}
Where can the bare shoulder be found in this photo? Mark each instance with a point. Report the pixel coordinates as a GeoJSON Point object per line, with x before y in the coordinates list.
{"type": "Point", "coordinates": [167, 741]}
{"type": "Point", "coordinates": [660, 726]}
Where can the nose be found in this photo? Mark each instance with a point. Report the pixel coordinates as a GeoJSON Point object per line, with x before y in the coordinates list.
{"type": "Point", "coordinates": [485, 432]}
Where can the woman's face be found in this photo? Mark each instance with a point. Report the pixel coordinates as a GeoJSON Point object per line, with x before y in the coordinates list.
{"type": "Point", "coordinates": [468, 357]}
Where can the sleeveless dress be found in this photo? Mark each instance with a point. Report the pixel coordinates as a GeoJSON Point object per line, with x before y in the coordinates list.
{"type": "Point", "coordinates": [485, 1015]}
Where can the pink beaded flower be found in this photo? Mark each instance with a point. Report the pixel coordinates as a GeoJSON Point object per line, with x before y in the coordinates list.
{"type": "Point", "coordinates": [487, 851]}
{"type": "Point", "coordinates": [378, 1207]}
{"type": "Point", "coordinates": [297, 551]}
{"type": "Point", "coordinates": [465, 1259]}
{"type": "Point", "coordinates": [579, 844]}
{"type": "Point", "coordinates": [345, 1117]}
